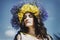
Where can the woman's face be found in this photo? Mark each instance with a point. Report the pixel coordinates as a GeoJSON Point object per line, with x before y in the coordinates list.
{"type": "Point", "coordinates": [28, 20]}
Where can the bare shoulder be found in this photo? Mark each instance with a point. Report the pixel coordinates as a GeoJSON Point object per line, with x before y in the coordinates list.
{"type": "Point", "coordinates": [17, 36]}
{"type": "Point", "coordinates": [49, 37]}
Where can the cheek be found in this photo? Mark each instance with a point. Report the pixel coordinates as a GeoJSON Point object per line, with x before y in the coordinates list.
{"type": "Point", "coordinates": [24, 21]}
{"type": "Point", "coordinates": [31, 20]}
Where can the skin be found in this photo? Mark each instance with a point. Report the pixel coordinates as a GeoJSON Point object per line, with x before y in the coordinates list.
{"type": "Point", "coordinates": [29, 22]}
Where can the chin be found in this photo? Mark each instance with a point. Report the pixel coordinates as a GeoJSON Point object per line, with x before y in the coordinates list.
{"type": "Point", "coordinates": [28, 25]}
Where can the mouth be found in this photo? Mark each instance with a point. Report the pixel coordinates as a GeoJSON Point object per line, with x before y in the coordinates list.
{"type": "Point", "coordinates": [27, 22]}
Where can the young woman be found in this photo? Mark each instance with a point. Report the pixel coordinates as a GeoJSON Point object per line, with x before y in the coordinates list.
{"type": "Point", "coordinates": [29, 20]}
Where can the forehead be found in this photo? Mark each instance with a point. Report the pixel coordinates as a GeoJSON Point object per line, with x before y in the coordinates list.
{"type": "Point", "coordinates": [27, 13]}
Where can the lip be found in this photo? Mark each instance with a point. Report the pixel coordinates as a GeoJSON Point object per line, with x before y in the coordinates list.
{"type": "Point", "coordinates": [27, 22]}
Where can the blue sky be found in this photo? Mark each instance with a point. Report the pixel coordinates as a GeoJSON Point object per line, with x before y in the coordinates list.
{"type": "Point", "coordinates": [52, 24]}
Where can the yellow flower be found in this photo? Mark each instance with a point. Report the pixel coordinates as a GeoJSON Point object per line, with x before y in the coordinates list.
{"type": "Point", "coordinates": [30, 8]}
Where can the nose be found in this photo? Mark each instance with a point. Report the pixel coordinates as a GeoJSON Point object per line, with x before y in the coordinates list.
{"type": "Point", "coordinates": [27, 17]}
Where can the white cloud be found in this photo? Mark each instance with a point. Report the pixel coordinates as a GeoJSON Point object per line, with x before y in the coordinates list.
{"type": "Point", "coordinates": [10, 33]}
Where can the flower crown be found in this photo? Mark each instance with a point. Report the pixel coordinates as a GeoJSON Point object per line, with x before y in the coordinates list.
{"type": "Point", "coordinates": [30, 8]}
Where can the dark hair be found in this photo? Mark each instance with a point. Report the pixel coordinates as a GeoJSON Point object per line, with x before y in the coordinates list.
{"type": "Point", "coordinates": [14, 11]}
{"type": "Point", "coordinates": [40, 30]}
{"type": "Point", "coordinates": [39, 25]}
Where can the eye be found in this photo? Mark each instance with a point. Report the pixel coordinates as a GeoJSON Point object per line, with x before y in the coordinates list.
{"type": "Point", "coordinates": [30, 16]}
{"type": "Point", "coordinates": [25, 17]}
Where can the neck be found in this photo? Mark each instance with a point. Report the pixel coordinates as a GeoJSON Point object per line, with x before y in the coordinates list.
{"type": "Point", "coordinates": [31, 31]}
